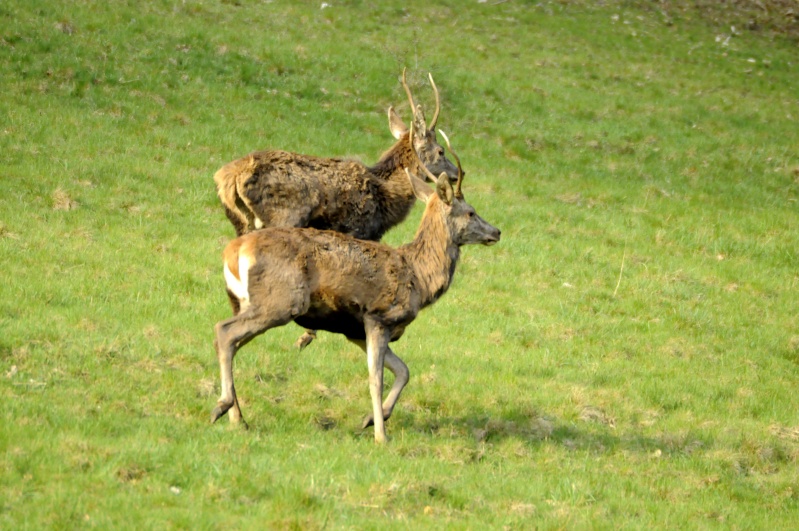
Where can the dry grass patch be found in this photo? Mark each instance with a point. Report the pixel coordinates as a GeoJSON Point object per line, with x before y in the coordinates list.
{"type": "Point", "coordinates": [62, 201]}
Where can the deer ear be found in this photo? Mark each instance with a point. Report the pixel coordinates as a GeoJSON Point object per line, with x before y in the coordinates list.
{"type": "Point", "coordinates": [395, 124]}
{"type": "Point", "coordinates": [420, 188]}
{"type": "Point", "coordinates": [444, 188]}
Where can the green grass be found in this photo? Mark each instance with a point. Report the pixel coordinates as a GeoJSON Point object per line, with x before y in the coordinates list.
{"type": "Point", "coordinates": [626, 357]}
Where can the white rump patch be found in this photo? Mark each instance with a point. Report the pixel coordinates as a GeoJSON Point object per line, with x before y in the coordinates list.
{"type": "Point", "coordinates": [238, 286]}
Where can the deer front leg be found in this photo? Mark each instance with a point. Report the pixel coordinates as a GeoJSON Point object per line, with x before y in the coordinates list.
{"type": "Point", "coordinates": [376, 347]}
{"type": "Point", "coordinates": [401, 377]}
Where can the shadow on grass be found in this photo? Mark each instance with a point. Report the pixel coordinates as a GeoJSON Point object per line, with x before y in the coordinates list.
{"type": "Point", "coordinates": [593, 434]}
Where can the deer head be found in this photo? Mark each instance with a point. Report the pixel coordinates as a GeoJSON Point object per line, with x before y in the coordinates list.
{"type": "Point", "coordinates": [464, 224]}
{"type": "Point", "coordinates": [422, 139]}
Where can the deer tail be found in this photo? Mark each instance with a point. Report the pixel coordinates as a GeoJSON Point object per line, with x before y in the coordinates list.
{"type": "Point", "coordinates": [226, 180]}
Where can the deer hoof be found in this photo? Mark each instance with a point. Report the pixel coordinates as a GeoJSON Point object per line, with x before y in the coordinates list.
{"type": "Point", "coordinates": [304, 340]}
{"type": "Point", "coordinates": [218, 411]}
{"type": "Point", "coordinates": [368, 420]}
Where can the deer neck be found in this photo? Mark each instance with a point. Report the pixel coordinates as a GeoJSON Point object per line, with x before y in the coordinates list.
{"type": "Point", "coordinates": [432, 254]}
{"type": "Point", "coordinates": [396, 198]}
{"type": "Point", "coordinates": [392, 163]}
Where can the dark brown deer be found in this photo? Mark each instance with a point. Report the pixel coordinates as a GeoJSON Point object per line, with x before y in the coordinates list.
{"type": "Point", "coordinates": [327, 280]}
{"type": "Point", "coordinates": [282, 189]}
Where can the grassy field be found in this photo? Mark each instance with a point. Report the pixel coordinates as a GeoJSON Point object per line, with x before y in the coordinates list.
{"type": "Point", "coordinates": [626, 357]}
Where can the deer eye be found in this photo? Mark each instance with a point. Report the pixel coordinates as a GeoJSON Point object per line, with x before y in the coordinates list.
{"type": "Point", "coordinates": [470, 214]}
{"type": "Point", "coordinates": [440, 152]}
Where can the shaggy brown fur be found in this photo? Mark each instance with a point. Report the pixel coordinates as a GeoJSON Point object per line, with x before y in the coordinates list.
{"type": "Point", "coordinates": [282, 189]}
{"type": "Point", "coordinates": [365, 290]}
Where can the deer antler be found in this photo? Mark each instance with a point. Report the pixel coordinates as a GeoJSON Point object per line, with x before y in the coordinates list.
{"type": "Point", "coordinates": [418, 158]}
{"type": "Point", "coordinates": [418, 115]}
{"type": "Point", "coordinates": [438, 101]}
{"type": "Point", "coordinates": [430, 175]}
{"type": "Point", "coordinates": [408, 92]}
{"type": "Point", "coordinates": [458, 192]}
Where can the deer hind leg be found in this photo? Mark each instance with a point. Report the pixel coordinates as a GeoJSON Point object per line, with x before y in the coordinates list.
{"type": "Point", "coordinates": [231, 335]}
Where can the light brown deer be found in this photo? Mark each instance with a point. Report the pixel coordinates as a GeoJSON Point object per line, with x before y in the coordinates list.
{"type": "Point", "coordinates": [330, 281]}
{"type": "Point", "coordinates": [282, 189]}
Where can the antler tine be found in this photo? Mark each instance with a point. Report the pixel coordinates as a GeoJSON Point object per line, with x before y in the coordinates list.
{"type": "Point", "coordinates": [458, 192]}
{"type": "Point", "coordinates": [438, 101]}
{"type": "Point", "coordinates": [408, 92]}
{"type": "Point", "coordinates": [418, 158]}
